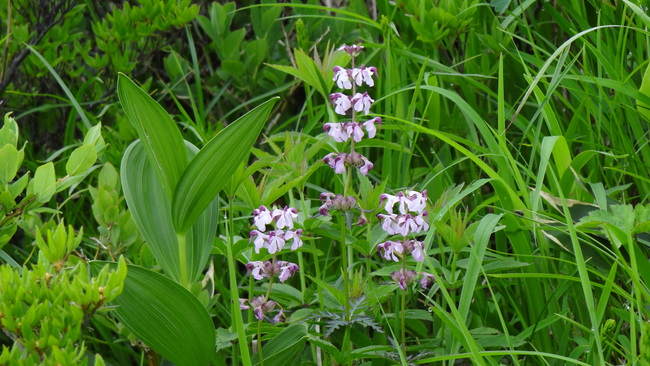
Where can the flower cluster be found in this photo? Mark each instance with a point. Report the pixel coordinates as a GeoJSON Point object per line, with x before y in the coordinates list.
{"type": "Point", "coordinates": [275, 240]}
{"type": "Point", "coordinates": [269, 269]}
{"type": "Point", "coordinates": [342, 132]}
{"type": "Point", "coordinates": [410, 246]}
{"type": "Point", "coordinates": [405, 214]}
{"type": "Point", "coordinates": [410, 216]}
{"type": "Point", "coordinates": [357, 102]}
{"type": "Point", "coordinates": [338, 162]}
{"type": "Point", "coordinates": [338, 202]}
{"type": "Point", "coordinates": [404, 277]}
{"type": "Point", "coordinates": [262, 306]}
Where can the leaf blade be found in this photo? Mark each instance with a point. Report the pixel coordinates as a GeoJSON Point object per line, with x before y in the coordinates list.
{"type": "Point", "coordinates": [161, 138]}
{"type": "Point", "coordinates": [210, 170]}
{"type": "Point", "coordinates": [165, 316]}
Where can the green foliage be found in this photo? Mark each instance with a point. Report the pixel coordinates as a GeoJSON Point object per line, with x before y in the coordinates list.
{"type": "Point", "coordinates": [126, 32]}
{"type": "Point", "coordinates": [526, 121]}
{"type": "Point", "coordinates": [22, 198]}
{"type": "Point", "coordinates": [165, 316]}
{"type": "Point", "coordinates": [45, 310]}
{"type": "Point", "coordinates": [117, 231]}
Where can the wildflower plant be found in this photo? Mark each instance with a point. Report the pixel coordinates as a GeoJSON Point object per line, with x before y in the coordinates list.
{"type": "Point", "coordinates": [274, 241]}
{"type": "Point", "coordinates": [351, 104]}
{"type": "Point", "coordinates": [405, 217]}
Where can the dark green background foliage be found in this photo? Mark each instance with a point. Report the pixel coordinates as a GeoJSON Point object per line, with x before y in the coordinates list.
{"type": "Point", "coordinates": [526, 121]}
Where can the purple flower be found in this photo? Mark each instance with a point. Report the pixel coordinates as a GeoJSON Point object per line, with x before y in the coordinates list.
{"type": "Point", "coordinates": [262, 217]}
{"type": "Point", "coordinates": [337, 131]}
{"type": "Point", "coordinates": [261, 306]}
{"type": "Point", "coordinates": [326, 199]}
{"type": "Point", "coordinates": [285, 217]}
{"type": "Point", "coordinates": [280, 317]}
{"type": "Point", "coordinates": [388, 223]}
{"type": "Point", "coordinates": [261, 240]}
{"type": "Point", "coordinates": [341, 102]}
{"type": "Point", "coordinates": [363, 74]}
{"type": "Point", "coordinates": [296, 236]}
{"type": "Point", "coordinates": [362, 102]}
{"type": "Point", "coordinates": [242, 304]}
{"type": "Point", "coordinates": [391, 201]}
{"type": "Point", "coordinates": [353, 50]}
{"type": "Point", "coordinates": [389, 248]}
{"type": "Point", "coordinates": [403, 278]}
{"type": "Point", "coordinates": [367, 165]}
{"type": "Point", "coordinates": [354, 129]}
{"type": "Point", "coordinates": [267, 269]}
{"type": "Point", "coordinates": [258, 269]}
{"type": "Point", "coordinates": [336, 162]}
{"type": "Point", "coordinates": [342, 77]}
{"type": "Point", "coordinates": [415, 248]}
{"type": "Point", "coordinates": [367, 73]}
{"type": "Point", "coordinates": [412, 214]}
{"type": "Point", "coordinates": [275, 242]}
{"type": "Point", "coordinates": [286, 269]}
{"type": "Point", "coordinates": [426, 280]}
{"type": "Point", "coordinates": [416, 201]}
{"type": "Point", "coordinates": [369, 125]}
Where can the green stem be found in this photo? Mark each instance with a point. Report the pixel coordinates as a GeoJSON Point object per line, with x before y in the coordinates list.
{"type": "Point", "coordinates": [346, 291]}
{"type": "Point", "coordinates": [234, 291]}
{"type": "Point", "coordinates": [344, 264]}
{"type": "Point", "coordinates": [183, 267]}
{"type": "Point", "coordinates": [453, 267]}
{"type": "Point", "coordinates": [403, 314]}
{"type": "Point", "coordinates": [301, 272]}
{"type": "Point", "coordinates": [259, 342]}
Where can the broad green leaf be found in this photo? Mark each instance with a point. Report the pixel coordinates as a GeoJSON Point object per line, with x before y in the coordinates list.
{"type": "Point", "coordinates": [212, 167]}
{"type": "Point", "coordinates": [151, 212]}
{"type": "Point", "coordinates": [81, 159]}
{"type": "Point", "coordinates": [8, 163]}
{"type": "Point", "coordinates": [165, 316]}
{"type": "Point", "coordinates": [286, 347]}
{"type": "Point", "coordinates": [43, 185]}
{"type": "Point", "coordinates": [160, 137]}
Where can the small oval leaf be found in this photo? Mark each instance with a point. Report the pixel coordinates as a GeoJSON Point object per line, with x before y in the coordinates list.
{"type": "Point", "coordinates": [81, 159]}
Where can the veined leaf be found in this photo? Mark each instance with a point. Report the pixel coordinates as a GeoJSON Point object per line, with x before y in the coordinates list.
{"type": "Point", "coordinates": [165, 316]}
{"type": "Point", "coordinates": [160, 137]}
{"type": "Point", "coordinates": [212, 167]}
{"type": "Point", "coordinates": [151, 211]}
{"type": "Point", "coordinates": [286, 347]}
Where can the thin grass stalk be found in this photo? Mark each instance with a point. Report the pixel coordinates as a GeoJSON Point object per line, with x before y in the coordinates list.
{"type": "Point", "coordinates": [234, 290]}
